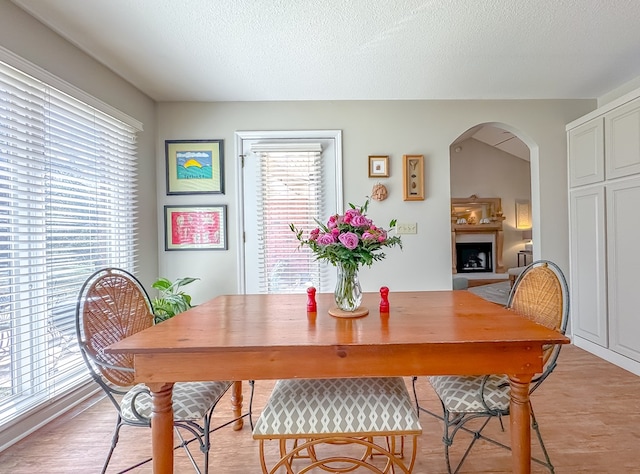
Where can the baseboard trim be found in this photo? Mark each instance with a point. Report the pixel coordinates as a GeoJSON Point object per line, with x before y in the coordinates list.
{"type": "Point", "coordinates": [608, 355]}
{"type": "Point", "coordinates": [24, 425]}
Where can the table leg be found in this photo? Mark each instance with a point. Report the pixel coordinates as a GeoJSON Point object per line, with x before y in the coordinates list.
{"type": "Point", "coordinates": [236, 404]}
{"type": "Point", "coordinates": [520, 418]}
{"type": "Point", "coordinates": [162, 427]}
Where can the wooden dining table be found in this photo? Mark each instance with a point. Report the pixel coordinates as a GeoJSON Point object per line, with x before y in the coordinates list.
{"type": "Point", "coordinates": [269, 337]}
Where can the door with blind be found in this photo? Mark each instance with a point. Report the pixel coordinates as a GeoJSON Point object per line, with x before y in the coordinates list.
{"type": "Point", "coordinates": [287, 177]}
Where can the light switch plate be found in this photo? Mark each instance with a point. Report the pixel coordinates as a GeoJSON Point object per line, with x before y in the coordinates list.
{"type": "Point", "coordinates": [407, 228]}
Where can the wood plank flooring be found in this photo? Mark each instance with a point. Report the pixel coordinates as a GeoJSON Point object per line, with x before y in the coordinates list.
{"type": "Point", "coordinates": [588, 410]}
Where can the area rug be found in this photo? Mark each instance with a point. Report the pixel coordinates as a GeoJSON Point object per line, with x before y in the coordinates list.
{"type": "Point", "coordinates": [495, 292]}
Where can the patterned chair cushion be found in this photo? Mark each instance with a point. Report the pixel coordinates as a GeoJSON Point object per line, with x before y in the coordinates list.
{"type": "Point", "coordinates": [350, 407]}
{"type": "Point", "coordinates": [191, 400]}
{"type": "Point", "coordinates": [462, 394]}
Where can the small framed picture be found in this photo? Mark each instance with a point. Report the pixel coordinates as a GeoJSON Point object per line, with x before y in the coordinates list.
{"type": "Point", "coordinates": [194, 166]}
{"type": "Point", "coordinates": [195, 227]}
{"type": "Point", "coordinates": [378, 166]}
{"type": "Point", "coordinates": [523, 214]}
{"type": "Point", "coordinates": [413, 174]}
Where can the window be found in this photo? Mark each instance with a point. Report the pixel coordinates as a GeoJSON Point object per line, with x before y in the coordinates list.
{"type": "Point", "coordinates": [67, 208]}
{"type": "Point", "coordinates": [287, 180]}
{"type": "Point", "coordinates": [290, 190]}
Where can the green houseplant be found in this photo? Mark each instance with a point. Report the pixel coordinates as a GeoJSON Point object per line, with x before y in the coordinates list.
{"type": "Point", "coordinates": [171, 299]}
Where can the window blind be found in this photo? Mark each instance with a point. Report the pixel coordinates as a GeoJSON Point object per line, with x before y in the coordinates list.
{"type": "Point", "coordinates": [67, 208]}
{"type": "Point", "coordinates": [290, 190]}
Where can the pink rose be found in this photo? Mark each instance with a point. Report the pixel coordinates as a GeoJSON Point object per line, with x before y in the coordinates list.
{"type": "Point", "coordinates": [360, 221]}
{"type": "Point", "coordinates": [349, 240]}
{"type": "Point", "coordinates": [326, 239]}
{"type": "Point", "coordinates": [350, 215]}
{"type": "Point", "coordinates": [368, 236]}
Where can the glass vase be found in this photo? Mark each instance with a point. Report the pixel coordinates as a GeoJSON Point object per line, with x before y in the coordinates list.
{"type": "Point", "coordinates": [348, 293]}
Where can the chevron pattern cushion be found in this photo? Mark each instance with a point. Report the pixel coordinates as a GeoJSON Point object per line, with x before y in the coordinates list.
{"type": "Point", "coordinates": [349, 407]}
{"type": "Point", "coordinates": [462, 394]}
{"type": "Point", "coordinates": [191, 400]}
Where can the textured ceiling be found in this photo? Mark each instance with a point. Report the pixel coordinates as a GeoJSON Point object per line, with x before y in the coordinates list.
{"type": "Point", "coordinates": [220, 50]}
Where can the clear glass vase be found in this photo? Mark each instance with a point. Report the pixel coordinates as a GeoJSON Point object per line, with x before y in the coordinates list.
{"type": "Point", "coordinates": [348, 293]}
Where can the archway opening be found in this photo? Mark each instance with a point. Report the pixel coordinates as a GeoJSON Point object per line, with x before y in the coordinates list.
{"type": "Point", "coordinates": [491, 165]}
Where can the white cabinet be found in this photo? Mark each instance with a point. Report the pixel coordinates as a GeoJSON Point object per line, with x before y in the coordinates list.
{"type": "Point", "coordinates": [586, 153]}
{"type": "Point", "coordinates": [622, 140]}
{"type": "Point", "coordinates": [588, 264]}
{"type": "Point", "coordinates": [623, 263]}
{"type": "Point", "coordinates": [604, 195]}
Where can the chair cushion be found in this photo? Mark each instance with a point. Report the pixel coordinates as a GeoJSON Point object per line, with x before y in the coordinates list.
{"type": "Point", "coordinates": [462, 394]}
{"type": "Point", "coordinates": [191, 400]}
{"type": "Point", "coordinates": [350, 407]}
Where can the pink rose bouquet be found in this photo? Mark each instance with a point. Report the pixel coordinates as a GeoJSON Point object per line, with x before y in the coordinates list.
{"type": "Point", "coordinates": [350, 240]}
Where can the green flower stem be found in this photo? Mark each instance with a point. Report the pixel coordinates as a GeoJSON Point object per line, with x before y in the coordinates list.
{"type": "Point", "coordinates": [348, 293]}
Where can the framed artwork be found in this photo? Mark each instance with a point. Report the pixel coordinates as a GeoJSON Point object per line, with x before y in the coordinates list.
{"type": "Point", "coordinates": [523, 214]}
{"type": "Point", "coordinates": [413, 177]}
{"type": "Point", "coordinates": [194, 166]}
{"type": "Point", "coordinates": [195, 227]}
{"type": "Point", "coordinates": [378, 166]}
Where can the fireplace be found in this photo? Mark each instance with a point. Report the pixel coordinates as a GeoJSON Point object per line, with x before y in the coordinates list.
{"type": "Point", "coordinates": [476, 221]}
{"type": "Point", "coordinates": [474, 257]}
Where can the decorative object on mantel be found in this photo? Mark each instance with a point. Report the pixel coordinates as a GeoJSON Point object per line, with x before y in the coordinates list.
{"type": "Point", "coordinates": [379, 192]}
{"type": "Point", "coordinates": [348, 241]}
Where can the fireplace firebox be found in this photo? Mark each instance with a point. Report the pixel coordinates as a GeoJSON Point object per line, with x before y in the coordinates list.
{"type": "Point", "coordinates": [474, 257]}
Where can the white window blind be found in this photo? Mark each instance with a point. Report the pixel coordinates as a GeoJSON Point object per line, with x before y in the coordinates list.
{"type": "Point", "coordinates": [67, 208]}
{"type": "Point", "coordinates": [290, 190]}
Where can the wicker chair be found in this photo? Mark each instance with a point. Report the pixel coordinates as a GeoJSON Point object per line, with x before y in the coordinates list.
{"type": "Point", "coordinates": [540, 293]}
{"type": "Point", "coordinates": [111, 306]}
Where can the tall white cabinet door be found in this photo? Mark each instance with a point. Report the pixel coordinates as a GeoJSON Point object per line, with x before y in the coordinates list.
{"type": "Point", "coordinates": [588, 265]}
{"type": "Point", "coordinates": [586, 153]}
{"type": "Point", "coordinates": [622, 140]}
{"type": "Point", "coordinates": [623, 250]}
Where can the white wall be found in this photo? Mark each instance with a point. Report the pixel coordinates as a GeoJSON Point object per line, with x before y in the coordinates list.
{"type": "Point", "coordinates": [488, 172]}
{"type": "Point", "coordinates": [369, 127]}
{"type": "Point", "coordinates": [28, 38]}
{"type": "Point", "coordinates": [382, 128]}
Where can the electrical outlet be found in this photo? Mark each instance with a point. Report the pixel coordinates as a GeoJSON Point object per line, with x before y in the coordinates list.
{"type": "Point", "coordinates": [407, 228]}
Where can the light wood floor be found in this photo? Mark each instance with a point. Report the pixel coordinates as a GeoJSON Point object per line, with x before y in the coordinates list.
{"type": "Point", "coordinates": [588, 410]}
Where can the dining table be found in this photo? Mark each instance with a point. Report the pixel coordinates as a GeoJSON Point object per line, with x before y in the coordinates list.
{"type": "Point", "coordinates": [275, 336]}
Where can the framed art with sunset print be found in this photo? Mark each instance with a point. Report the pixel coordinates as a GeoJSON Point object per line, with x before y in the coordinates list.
{"type": "Point", "coordinates": [195, 166]}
